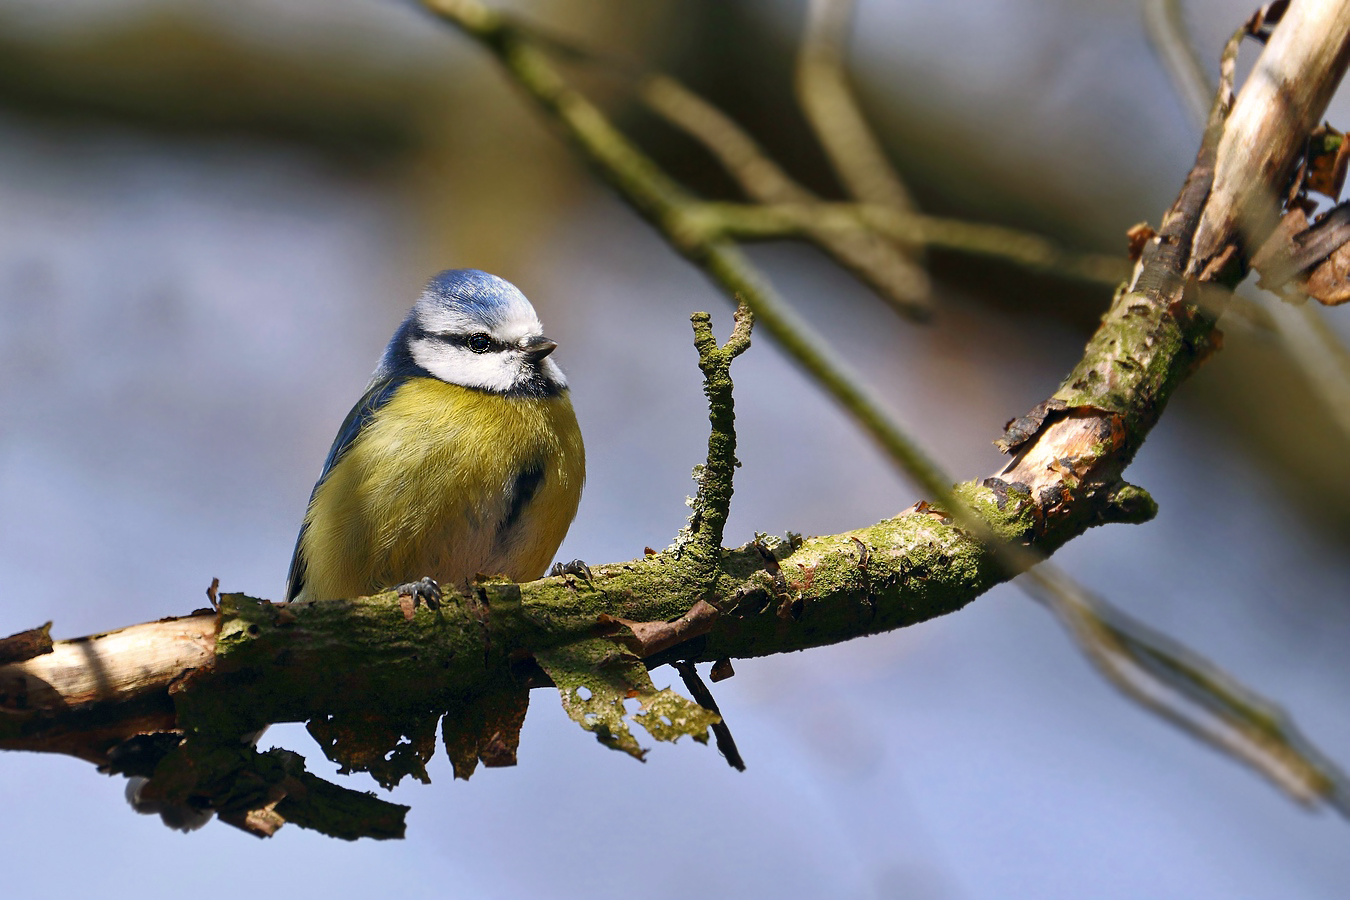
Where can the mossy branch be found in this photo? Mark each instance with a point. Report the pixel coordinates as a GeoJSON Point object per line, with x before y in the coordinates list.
{"type": "Point", "coordinates": [712, 503]}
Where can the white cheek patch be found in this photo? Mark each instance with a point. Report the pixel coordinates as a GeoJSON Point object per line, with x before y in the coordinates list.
{"type": "Point", "coordinates": [493, 371]}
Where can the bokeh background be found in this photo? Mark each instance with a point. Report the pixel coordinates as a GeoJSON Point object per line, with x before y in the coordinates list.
{"type": "Point", "coordinates": [213, 215]}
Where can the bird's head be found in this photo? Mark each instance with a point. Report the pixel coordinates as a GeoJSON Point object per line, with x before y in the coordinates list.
{"type": "Point", "coordinates": [475, 330]}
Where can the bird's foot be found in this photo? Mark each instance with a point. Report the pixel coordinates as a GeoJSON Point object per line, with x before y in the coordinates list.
{"type": "Point", "coordinates": [424, 591]}
{"type": "Point", "coordinates": [575, 567]}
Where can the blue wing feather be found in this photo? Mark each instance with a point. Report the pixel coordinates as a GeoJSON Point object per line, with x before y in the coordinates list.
{"type": "Point", "coordinates": [376, 396]}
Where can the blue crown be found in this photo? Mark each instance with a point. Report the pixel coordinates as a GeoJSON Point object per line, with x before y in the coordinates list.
{"type": "Point", "coordinates": [476, 292]}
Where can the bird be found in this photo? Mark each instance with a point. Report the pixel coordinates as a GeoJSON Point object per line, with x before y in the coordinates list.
{"type": "Point", "coordinates": [463, 457]}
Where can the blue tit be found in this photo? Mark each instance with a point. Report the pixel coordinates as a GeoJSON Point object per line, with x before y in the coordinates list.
{"type": "Point", "coordinates": [463, 457]}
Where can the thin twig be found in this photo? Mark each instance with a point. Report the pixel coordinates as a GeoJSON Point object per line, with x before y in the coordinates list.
{"type": "Point", "coordinates": [1166, 25]}
{"type": "Point", "coordinates": [736, 151]}
{"type": "Point", "coordinates": [712, 504]}
{"type": "Point", "coordinates": [832, 110]}
{"type": "Point", "coordinates": [1009, 245]}
{"type": "Point", "coordinates": [703, 697]}
{"type": "Point", "coordinates": [1189, 691]}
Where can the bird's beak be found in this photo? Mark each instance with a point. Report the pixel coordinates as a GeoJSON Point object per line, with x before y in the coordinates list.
{"type": "Point", "coordinates": [536, 348]}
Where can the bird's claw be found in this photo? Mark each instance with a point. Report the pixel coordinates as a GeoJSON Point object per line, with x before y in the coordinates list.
{"type": "Point", "coordinates": [575, 567]}
{"type": "Point", "coordinates": [425, 591]}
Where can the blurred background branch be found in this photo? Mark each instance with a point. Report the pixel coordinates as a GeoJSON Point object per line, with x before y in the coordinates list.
{"type": "Point", "coordinates": [833, 112]}
{"type": "Point", "coordinates": [1174, 682]}
{"type": "Point", "coordinates": [840, 127]}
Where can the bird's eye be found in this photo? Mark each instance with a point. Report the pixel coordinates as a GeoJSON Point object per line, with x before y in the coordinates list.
{"type": "Point", "coordinates": [479, 343]}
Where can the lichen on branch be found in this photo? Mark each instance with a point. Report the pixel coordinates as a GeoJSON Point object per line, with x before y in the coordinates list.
{"type": "Point", "coordinates": [712, 502]}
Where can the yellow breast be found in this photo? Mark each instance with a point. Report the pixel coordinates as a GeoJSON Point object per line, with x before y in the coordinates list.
{"type": "Point", "coordinates": [446, 482]}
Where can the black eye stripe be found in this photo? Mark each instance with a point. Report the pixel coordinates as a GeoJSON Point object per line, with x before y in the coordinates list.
{"type": "Point", "coordinates": [478, 342]}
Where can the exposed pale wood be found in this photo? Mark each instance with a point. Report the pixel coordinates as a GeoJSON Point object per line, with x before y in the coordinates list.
{"type": "Point", "coordinates": [1281, 101]}
{"type": "Point", "coordinates": [119, 664]}
{"type": "Point", "coordinates": [121, 677]}
{"type": "Point", "coordinates": [1066, 448]}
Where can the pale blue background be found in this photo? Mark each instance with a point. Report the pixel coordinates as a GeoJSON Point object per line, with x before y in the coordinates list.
{"type": "Point", "coordinates": [184, 322]}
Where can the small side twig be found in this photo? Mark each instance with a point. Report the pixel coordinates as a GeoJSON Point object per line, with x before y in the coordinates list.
{"type": "Point", "coordinates": [726, 744]}
{"type": "Point", "coordinates": [1165, 23]}
{"type": "Point", "coordinates": [832, 110]}
{"type": "Point", "coordinates": [774, 221]}
{"type": "Point", "coordinates": [26, 644]}
{"type": "Point", "coordinates": [712, 503]}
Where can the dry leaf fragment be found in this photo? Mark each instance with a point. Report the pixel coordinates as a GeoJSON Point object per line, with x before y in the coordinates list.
{"type": "Point", "coordinates": [1328, 154]}
{"type": "Point", "coordinates": [595, 676]}
{"type": "Point", "coordinates": [485, 727]}
{"type": "Point", "coordinates": [1329, 283]}
{"type": "Point", "coordinates": [1022, 429]}
{"type": "Point", "coordinates": [1298, 260]}
{"type": "Point", "coordinates": [1139, 236]}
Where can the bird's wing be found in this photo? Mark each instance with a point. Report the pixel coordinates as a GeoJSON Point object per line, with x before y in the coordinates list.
{"type": "Point", "coordinates": [377, 395]}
